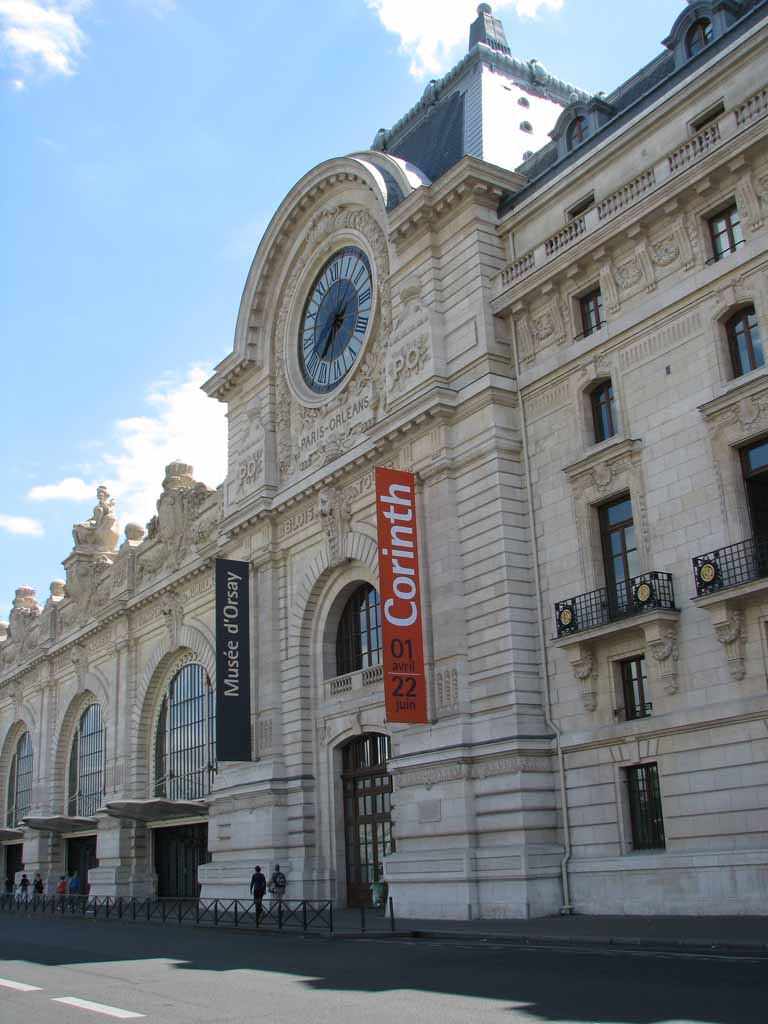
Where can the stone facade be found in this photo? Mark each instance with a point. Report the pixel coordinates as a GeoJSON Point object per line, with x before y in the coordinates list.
{"type": "Point", "coordinates": [473, 375]}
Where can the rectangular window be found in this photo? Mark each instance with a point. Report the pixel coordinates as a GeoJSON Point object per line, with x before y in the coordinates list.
{"type": "Point", "coordinates": [580, 208]}
{"type": "Point", "coordinates": [645, 814]}
{"type": "Point", "coordinates": [744, 341]}
{"type": "Point", "coordinates": [603, 411]}
{"type": "Point", "coordinates": [634, 686]}
{"type": "Point", "coordinates": [754, 463]}
{"type": "Point", "coordinates": [620, 555]}
{"type": "Point", "coordinates": [591, 308]}
{"type": "Point", "coordinates": [725, 232]}
{"type": "Point", "coordinates": [707, 117]}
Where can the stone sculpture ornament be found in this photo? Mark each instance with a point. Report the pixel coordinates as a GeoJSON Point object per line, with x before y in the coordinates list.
{"type": "Point", "coordinates": [99, 533]}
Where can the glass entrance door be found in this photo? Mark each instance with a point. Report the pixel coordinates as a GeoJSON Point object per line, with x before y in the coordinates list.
{"type": "Point", "coordinates": [179, 852]}
{"type": "Point", "coordinates": [367, 820]}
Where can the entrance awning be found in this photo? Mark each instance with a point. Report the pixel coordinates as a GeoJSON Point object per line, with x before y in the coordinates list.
{"type": "Point", "coordinates": [9, 835]}
{"type": "Point", "coordinates": [62, 823]}
{"type": "Point", "coordinates": [157, 809]}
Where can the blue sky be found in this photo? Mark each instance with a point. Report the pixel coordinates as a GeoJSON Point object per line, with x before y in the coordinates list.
{"type": "Point", "coordinates": [147, 144]}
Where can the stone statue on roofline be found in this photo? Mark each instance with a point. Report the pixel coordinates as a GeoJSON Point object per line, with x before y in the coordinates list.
{"type": "Point", "coordinates": [99, 533]}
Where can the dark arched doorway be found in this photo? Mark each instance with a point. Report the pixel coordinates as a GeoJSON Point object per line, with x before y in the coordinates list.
{"type": "Point", "coordinates": [367, 787]}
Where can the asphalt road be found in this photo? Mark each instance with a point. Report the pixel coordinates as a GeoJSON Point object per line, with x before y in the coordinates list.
{"type": "Point", "coordinates": [182, 975]}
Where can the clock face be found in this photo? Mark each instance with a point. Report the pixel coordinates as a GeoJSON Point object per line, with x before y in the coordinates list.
{"type": "Point", "coordinates": [335, 319]}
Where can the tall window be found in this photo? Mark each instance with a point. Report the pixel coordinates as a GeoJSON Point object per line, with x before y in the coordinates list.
{"type": "Point", "coordinates": [645, 807]}
{"type": "Point", "coordinates": [578, 130]}
{"type": "Point", "coordinates": [185, 742]}
{"type": "Point", "coordinates": [634, 685]}
{"type": "Point", "coordinates": [620, 554]}
{"type": "Point", "coordinates": [744, 341]}
{"type": "Point", "coordinates": [591, 309]}
{"type": "Point", "coordinates": [86, 764]}
{"type": "Point", "coordinates": [603, 411]}
{"type": "Point", "coordinates": [754, 461]}
{"type": "Point", "coordinates": [19, 783]}
{"type": "Point", "coordinates": [358, 640]}
{"type": "Point", "coordinates": [699, 36]}
{"type": "Point", "coordinates": [725, 232]}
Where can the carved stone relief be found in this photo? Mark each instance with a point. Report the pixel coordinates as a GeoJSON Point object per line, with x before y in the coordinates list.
{"type": "Point", "coordinates": [334, 512]}
{"type": "Point", "coordinates": [664, 651]}
{"type": "Point", "coordinates": [731, 633]}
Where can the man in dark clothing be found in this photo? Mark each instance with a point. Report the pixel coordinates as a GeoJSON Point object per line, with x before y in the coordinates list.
{"type": "Point", "coordinates": [258, 888]}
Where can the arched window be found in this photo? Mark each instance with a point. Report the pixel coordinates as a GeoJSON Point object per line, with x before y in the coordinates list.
{"type": "Point", "coordinates": [20, 783]}
{"type": "Point", "coordinates": [699, 35]}
{"type": "Point", "coordinates": [744, 341]}
{"type": "Point", "coordinates": [86, 764]}
{"type": "Point", "coordinates": [358, 639]}
{"type": "Point", "coordinates": [185, 742]}
{"type": "Point", "coordinates": [578, 130]}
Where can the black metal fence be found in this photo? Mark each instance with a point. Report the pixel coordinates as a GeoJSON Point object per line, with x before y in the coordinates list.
{"type": "Point", "coordinates": [279, 915]}
{"type": "Point", "coordinates": [600, 607]}
{"type": "Point", "coordinates": [273, 915]}
{"type": "Point", "coordinates": [731, 565]}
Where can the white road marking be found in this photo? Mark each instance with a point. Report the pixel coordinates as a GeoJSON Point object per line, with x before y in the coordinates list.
{"type": "Point", "coordinates": [108, 1011]}
{"type": "Point", "coordinates": [19, 986]}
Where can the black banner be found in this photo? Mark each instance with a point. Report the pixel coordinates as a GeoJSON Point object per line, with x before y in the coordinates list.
{"type": "Point", "coordinates": [233, 662]}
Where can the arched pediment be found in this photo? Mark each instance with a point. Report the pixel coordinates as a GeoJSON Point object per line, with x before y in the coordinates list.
{"type": "Point", "coordinates": [595, 113]}
{"type": "Point", "coordinates": [721, 13]}
{"type": "Point", "coordinates": [388, 179]}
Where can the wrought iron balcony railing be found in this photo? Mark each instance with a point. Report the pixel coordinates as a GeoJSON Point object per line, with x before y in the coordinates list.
{"type": "Point", "coordinates": [731, 565]}
{"type": "Point", "coordinates": [633, 711]}
{"type": "Point", "coordinates": [643, 593]}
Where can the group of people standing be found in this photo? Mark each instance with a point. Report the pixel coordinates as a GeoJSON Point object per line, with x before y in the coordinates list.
{"type": "Point", "coordinates": [259, 887]}
{"type": "Point", "coordinates": [36, 887]}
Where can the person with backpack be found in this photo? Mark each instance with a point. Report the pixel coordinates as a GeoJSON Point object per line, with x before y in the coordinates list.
{"type": "Point", "coordinates": [277, 884]}
{"type": "Point", "coordinates": [258, 888]}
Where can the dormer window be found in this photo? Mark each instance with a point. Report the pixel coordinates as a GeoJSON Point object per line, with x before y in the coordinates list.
{"type": "Point", "coordinates": [578, 130]}
{"type": "Point", "coordinates": [699, 35]}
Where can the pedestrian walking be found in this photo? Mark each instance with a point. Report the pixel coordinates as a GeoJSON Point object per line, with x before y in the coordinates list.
{"type": "Point", "coordinates": [37, 885]}
{"type": "Point", "coordinates": [61, 891]}
{"type": "Point", "coordinates": [258, 888]}
{"type": "Point", "coordinates": [24, 887]}
{"type": "Point", "coordinates": [277, 884]}
{"type": "Point", "coordinates": [74, 884]}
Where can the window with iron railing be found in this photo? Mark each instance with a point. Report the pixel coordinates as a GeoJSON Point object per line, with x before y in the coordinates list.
{"type": "Point", "coordinates": [185, 741]}
{"type": "Point", "coordinates": [634, 689]}
{"type": "Point", "coordinates": [645, 812]}
{"type": "Point", "coordinates": [725, 232]}
{"type": "Point", "coordinates": [591, 310]}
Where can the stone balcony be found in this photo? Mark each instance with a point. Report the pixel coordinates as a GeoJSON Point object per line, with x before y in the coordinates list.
{"type": "Point", "coordinates": [673, 163]}
{"type": "Point", "coordinates": [341, 686]}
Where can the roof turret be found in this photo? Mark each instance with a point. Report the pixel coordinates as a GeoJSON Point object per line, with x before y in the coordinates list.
{"type": "Point", "coordinates": [489, 30]}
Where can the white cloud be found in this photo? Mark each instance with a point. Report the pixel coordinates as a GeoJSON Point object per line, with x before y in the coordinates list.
{"type": "Point", "coordinates": [21, 525]}
{"type": "Point", "coordinates": [430, 30]}
{"type": "Point", "coordinates": [43, 32]}
{"type": "Point", "coordinates": [187, 425]}
{"type": "Point", "coordinates": [71, 488]}
{"type": "Point", "coordinates": [18, 85]}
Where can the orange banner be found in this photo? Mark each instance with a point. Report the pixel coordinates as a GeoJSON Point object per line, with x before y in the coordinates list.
{"type": "Point", "coordinates": [405, 685]}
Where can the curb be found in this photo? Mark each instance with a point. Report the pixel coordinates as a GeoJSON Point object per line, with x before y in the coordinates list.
{"type": "Point", "coordinates": [601, 942]}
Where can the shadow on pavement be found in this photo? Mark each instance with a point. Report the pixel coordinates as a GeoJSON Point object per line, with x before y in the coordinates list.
{"type": "Point", "coordinates": [573, 986]}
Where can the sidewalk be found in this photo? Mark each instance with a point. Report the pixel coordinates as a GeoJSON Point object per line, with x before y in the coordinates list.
{"type": "Point", "coordinates": [743, 934]}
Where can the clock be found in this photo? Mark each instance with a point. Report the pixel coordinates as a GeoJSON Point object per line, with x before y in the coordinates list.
{"type": "Point", "coordinates": [335, 320]}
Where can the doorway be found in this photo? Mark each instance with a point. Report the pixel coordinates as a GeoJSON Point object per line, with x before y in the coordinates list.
{"type": "Point", "coordinates": [367, 788]}
{"type": "Point", "coordinates": [179, 852]}
{"type": "Point", "coordinates": [81, 857]}
{"type": "Point", "coordinates": [14, 861]}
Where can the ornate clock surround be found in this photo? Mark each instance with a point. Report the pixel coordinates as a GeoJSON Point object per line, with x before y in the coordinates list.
{"type": "Point", "coordinates": [313, 428]}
